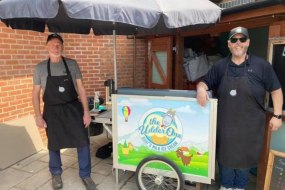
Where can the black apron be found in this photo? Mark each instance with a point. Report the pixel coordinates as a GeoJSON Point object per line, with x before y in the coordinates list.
{"type": "Point", "coordinates": [63, 112]}
{"type": "Point", "coordinates": [241, 123]}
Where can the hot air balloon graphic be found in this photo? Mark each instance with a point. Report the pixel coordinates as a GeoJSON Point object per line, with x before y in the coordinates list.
{"type": "Point", "coordinates": [126, 112]}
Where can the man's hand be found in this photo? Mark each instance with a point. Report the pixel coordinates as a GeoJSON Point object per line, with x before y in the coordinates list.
{"type": "Point", "coordinates": [277, 99]}
{"type": "Point", "coordinates": [202, 96]}
{"type": "Point", "coordinates": [40, 122]}
{"type": "Point", "coordinates": [275, 123]}
{"type": "Point", "coordinates": [86, 119]}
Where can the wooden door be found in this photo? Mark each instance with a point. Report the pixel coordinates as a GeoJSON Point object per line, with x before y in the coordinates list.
{"type": "Point", "coordinates": [160, 63]}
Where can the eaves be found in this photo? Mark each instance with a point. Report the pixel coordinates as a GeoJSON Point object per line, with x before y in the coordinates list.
{"type": "Point", "coordinates": [251, 6]}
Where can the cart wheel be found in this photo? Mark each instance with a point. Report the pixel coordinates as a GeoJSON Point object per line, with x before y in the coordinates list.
{"type": "Point", "coordinates": [158, 173]}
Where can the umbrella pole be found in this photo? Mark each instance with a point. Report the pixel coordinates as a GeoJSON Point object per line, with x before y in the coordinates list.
{"type": "Point", "coordinates": [134, 61]}
{"type": "Point", "coordinates": [115, 59]}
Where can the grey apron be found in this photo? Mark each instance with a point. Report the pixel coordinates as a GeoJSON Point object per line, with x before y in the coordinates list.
{"type": "Point", "coordinates": [63, 113]}
{"type": "Point", "coordinates": [241, 123]}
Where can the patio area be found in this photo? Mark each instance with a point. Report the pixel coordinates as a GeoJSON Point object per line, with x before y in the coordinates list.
{"type": "Point", "coordinates": [32, 173]}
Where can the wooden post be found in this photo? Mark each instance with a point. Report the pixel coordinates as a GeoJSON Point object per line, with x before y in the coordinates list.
{"type": "Point", "coordinates": [262, 165]}
{"type": "Point", "coordinates": [198, 186]}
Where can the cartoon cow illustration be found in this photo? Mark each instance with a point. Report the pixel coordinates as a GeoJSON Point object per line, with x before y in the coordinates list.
{"type": "Point", "coordinates": [180, 153]}
{"type": "Point", "coordinates": [168, 117]}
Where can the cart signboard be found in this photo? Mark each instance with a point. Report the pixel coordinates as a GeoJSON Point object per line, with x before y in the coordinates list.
{"type": "Point", "coordinates": [176, 128]}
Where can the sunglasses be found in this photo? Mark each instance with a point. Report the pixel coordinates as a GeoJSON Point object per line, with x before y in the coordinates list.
{"type": "Point", "coordinates": [234, 40]}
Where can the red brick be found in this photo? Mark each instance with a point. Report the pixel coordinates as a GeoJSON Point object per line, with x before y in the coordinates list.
{"type": "Point", "coordinates": [3, 115]}
{"type": "Point", "coordinates": [7, 88]}
{"type": "Point", "coordinates": [8, 109]}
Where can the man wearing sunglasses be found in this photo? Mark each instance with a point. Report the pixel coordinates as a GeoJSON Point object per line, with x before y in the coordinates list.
{"type": "Point", "coordinates": [241, 81]}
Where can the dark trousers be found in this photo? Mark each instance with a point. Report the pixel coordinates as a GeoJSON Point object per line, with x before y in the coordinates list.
{"type": "Point", "coordinates": [233, 178]}
{"type": "Point", "coordinates": [84, 162]}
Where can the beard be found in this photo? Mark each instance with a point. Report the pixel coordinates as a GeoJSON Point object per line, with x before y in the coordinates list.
{"type": "Point", "coordinates": [238, 52]}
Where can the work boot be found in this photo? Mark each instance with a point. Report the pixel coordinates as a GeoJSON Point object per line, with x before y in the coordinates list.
{"type": "Point", "coordinates": [56, 182]}
{"type": "Point", "coordinates": [89, 183]}
{"type": "Point", "coordinates": [223, 188]}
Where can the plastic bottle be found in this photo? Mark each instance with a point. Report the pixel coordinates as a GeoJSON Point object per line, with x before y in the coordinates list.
{"type": "Point", "coordinates": [96, 100]}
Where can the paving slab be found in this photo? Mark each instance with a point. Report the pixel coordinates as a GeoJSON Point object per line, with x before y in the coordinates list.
{"type": "Point", "coordinates": [30, 159]}
{"type": "Point", "coordinates": [103, 169]}
{"type": "Point", "coordinates": [11, 177]}
{"type": "Point", "coordinates": [34, 166]}
{"type": "Point", "coordinates": [35, 181]}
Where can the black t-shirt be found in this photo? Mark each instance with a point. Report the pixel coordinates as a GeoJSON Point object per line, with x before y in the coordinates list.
{"type": "Point", "coordinates": [261, 75]}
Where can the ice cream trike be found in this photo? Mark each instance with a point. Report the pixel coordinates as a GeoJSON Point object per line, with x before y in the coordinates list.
{"type": "Point", "coordinates": [165, 136]}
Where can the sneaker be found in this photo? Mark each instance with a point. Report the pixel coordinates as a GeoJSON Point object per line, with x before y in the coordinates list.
{"type": "Point", "coordinates": [223, 188]}
{"type": "Point", "coordinates": [89, 183]}
{"type": "Point", "coordinates": [56, 182]}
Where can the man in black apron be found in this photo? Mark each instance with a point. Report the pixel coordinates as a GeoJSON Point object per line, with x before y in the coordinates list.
{"type": "Point", "coordinates": [240, 81]}
{"type": "Point", "coordinates": [65, 114]}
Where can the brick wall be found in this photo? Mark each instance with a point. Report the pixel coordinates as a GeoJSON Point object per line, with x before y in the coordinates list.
{"type": "Point", "coordinates": [21, 50]}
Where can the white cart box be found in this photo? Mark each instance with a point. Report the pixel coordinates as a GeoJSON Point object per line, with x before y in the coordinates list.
{"type": "Point", "coordinates": [177, 128]}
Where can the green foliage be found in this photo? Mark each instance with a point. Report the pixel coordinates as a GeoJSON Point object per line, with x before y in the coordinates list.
{"type": "Point", "coordinates": [125, 144]}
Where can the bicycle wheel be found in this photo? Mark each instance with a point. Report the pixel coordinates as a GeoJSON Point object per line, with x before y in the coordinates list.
{"type": "Point", "coordinates": [159, 173]}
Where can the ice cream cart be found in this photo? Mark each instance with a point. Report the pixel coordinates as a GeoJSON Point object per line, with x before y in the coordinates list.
{"type": "Point", "coordinates": [165, 136]}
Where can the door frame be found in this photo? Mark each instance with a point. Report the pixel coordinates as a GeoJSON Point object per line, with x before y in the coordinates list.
{"type": "Point", "coordinates": [160, 44]}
